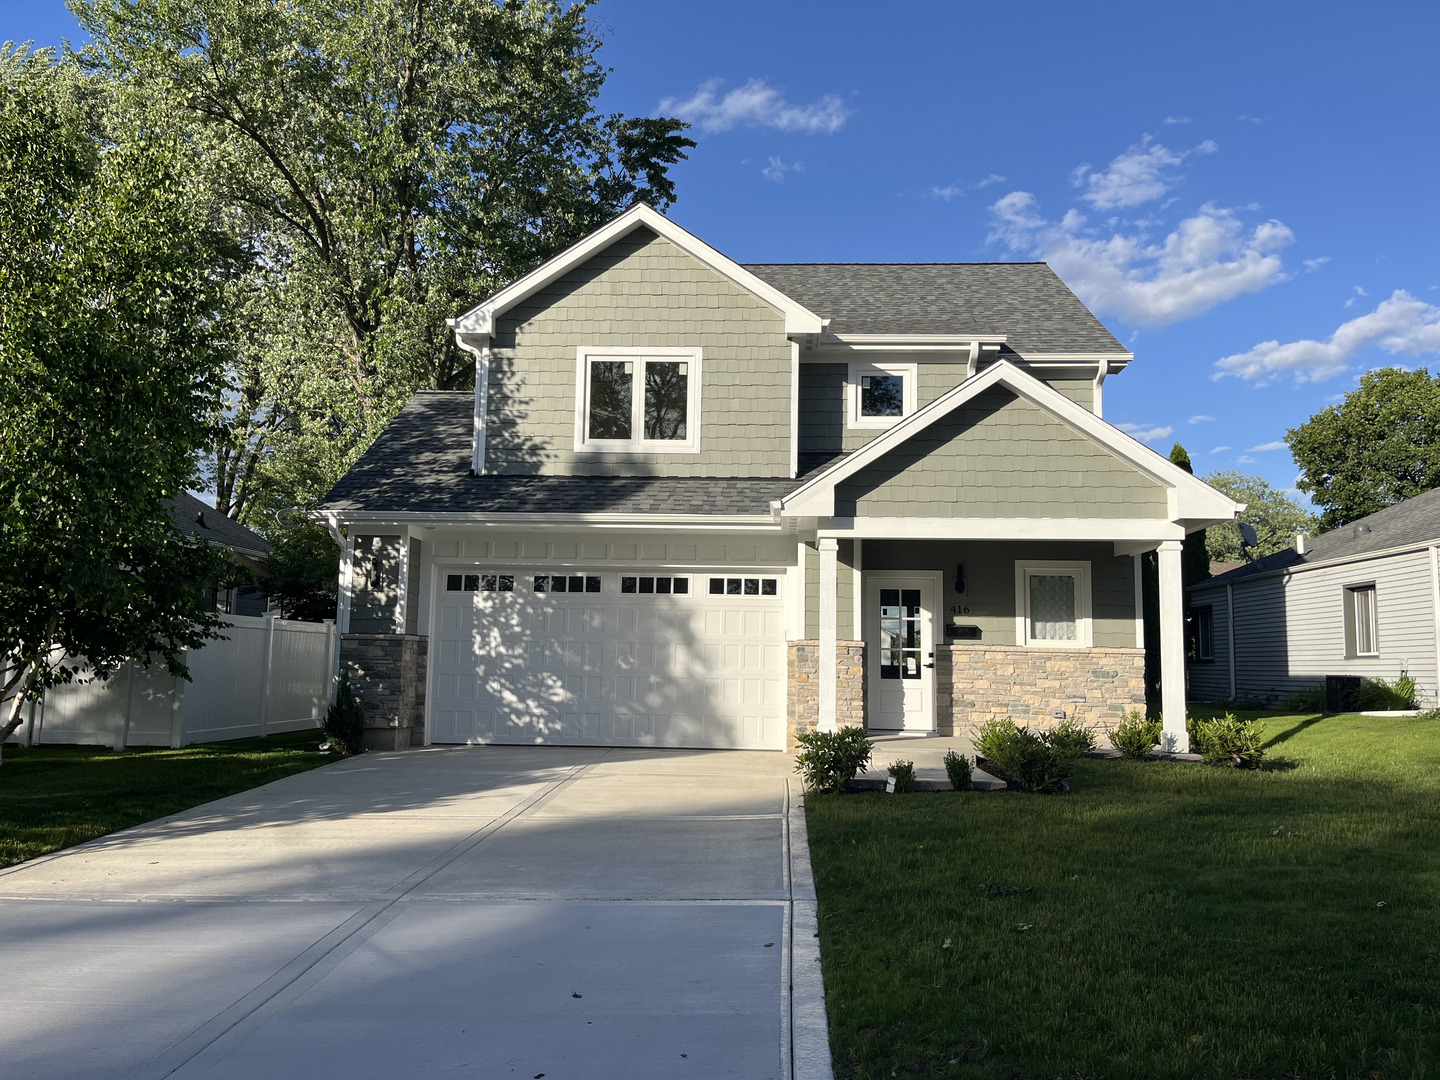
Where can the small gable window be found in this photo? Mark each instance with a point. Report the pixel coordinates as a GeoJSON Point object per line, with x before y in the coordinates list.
{"type": "Point", "coordinates": [637, 400]}
{"type": "Point", "coordinates": [879, 395]}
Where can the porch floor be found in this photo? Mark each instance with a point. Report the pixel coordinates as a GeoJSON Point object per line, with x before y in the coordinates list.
{"type": "Point", "coordinates": [928, 754]}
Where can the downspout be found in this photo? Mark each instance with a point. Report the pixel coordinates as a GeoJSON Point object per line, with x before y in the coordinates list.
{"type": "Point", "coordinates": [1435, 608]}
{"type": "Point", "coordinates": [973, 364]}
{"type": "Point", "coordinates": [478, 346]}
{"type": "Point", "coordinates": [1101, 370]}
{"type": "Point", "coordinates": [1230, 620]}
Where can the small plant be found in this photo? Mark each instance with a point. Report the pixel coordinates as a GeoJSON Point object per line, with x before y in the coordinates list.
{"type": "Point", "coordinates": [345, 721]}
{"type": "Point", "coordinates": [1377, 694]}
{"type": "Point", "coordinates": [1135, 736]}
{"type": "Point", "coordinates": [904, 774]}
{"type": "Point", "coordinates": [1227, 741]}
{"type": "Point", "coordinates": [991, 737]}
{"type": "Point", "coordinates": [1039, 763]}
{"type": "Point", "coordinates": [957, 768]}
{"type": "Point", "coordinates": [1309, 700]}
{"type": "Point", "coordinates": [828, 760]}
{"type": "Point", "coordinates": [1070, 739]}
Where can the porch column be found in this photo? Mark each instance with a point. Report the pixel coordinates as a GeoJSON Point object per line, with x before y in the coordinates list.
{"type": "Point", "coordinates": [829, 552]}
{"type": "Point", "coordinates": [1172, 649]}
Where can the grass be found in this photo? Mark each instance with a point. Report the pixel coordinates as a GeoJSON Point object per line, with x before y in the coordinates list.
{"type": "Point", "coordinates": [1162, 920]}
{"type": "Point", "coordinates": [53, 797]}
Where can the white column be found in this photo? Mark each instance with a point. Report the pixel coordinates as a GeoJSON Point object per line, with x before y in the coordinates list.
{"type": "Point", "coordinates": [402, 579]}
{"type": "Point", "coordinates": [1172, 649]}
{"type": "Point", "coordinates": [347, 589]}
{"type": "Point", "coordinates": [828, 669]}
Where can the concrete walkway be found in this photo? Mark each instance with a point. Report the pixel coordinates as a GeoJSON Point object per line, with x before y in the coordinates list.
{"type": "Point", "coordinates": [467, 912]}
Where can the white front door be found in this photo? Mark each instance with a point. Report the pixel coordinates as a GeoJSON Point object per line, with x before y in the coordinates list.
{"type": "Point", "coordinates": [900, 650]}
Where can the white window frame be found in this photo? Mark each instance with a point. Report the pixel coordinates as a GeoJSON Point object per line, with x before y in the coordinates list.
{"type": "Point", "coordinates": [853, 419]}
{"type": "Point", "coordinates": [1084, 626]}
{"type": "Point", "coordinates": [583, 443]}
{"type": "Point", "coordinates": [1353, 593]}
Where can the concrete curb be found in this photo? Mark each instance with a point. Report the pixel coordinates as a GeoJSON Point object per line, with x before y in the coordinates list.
{"type": "Point", "coordinates": [809, 1023]}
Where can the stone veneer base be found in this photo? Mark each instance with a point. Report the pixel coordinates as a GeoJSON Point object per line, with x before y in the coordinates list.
{"type": "Point", "coordinates": [803, 697]}
{"type": "Point", "coordinates": [387, 674]}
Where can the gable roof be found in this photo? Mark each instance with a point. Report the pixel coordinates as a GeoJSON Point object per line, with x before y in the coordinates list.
{"type": "Point", "coordinates": [481, 318]}
{"type": "Point", "coordinates": [1025, 301]}
{"type": "Point", "coordinates": [1194, 499]}
{"type": "Point", "coordinates": [1411, 523]}
{"type": "Point", "coordinates": [420, 464]}
{"type": "Point", "coordinates": [200, 519]}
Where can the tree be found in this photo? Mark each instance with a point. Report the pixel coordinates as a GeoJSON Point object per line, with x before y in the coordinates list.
{"type": "Point", "coordinates": [1377, 447]}
{"type": "Point", "coordinates": [107, 376]}
{"type": "Point", "coordinates": [1275, 515]}
{"type": "Point", "coordinates": [303, 567]}
{"type": "Point", "coordinates": [388, 164]}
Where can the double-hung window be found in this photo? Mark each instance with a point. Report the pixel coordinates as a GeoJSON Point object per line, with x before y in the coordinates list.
{"type": "Point", "coordinates": [879, 395]}
{"type": "Point", "coordinates": [1052, 604]}
{"type": "Point", "coordinates": [1362, 630]}
{"type": "Point", "coordinates": [632, 400]}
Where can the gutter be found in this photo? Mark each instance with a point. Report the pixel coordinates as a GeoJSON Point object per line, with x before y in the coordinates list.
{"type": "Point", "coordinates": [704, 522]}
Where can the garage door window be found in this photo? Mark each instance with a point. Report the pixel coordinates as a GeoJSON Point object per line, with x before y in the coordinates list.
{"type": "Point", "coordinates": [679, 586]}
{"type": "Point", "coordinates": [567, 583]}
{"type": "Point", "coordinates": [480, 583]}
{"type": "Point", "coordinates": [734, 586]}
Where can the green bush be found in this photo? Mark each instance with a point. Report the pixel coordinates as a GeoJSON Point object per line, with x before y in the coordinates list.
{"type": "Point", "coordinates": [1376, 694]}
{"type": "Point", "coordinates": [345, 721]}
{"type": "Point", "coordinates": [1030, 762]}
{"type": "Point", "coordinates": [828, 760]}
{"type": "Point", "coordinates": [904, 774]}
{"type": "Point", "coordinates": [1227, 741]}
{"type": "Point", "coordinates": [957, 768]}
{"type": "Point", "coordinates": [1309, 700]}
{"type": "Point", "coordinates": [1135, 736]}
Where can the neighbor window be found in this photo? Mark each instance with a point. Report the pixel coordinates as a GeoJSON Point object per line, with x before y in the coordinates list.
{"type": "Point", "coordinates": [1052, 602]}
{"type": "Point", "coordinates": [1362, 632]}
{"type": "Point", "coordinates": [631, 400]}
{"type": "Point", "coordinates": [1202, 634]}
{"type": "Point", "coordinates": [878, 395]}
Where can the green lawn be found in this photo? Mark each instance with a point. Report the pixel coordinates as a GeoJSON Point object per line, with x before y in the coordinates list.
{"type": "Point", "coordinates": [54, 796]}
{"type": "Point", "coordinates": [1183, 920]}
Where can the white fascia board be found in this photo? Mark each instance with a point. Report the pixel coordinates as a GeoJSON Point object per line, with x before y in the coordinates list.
{"type": "Point", "coordinates": [799, 320]}
{"type": "Point", "coordinates": [1116, 360]}
{"type": "Point", "coordinates": [924, 343]}
{"type": "Point", "coordinates": [1130, 530]}
{"type": "Point", "coordinates": [692, 522]}
{"type": "Point", "coordinates": [1193, 498]}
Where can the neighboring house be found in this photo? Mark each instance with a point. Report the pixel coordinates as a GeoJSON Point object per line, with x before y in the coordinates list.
{"type": "Point", "coordinates": [1362, 600]}
{"type": "Point", "coordinates": [247, 548]}
{"type": "Point", "coordinates": [693, 503]}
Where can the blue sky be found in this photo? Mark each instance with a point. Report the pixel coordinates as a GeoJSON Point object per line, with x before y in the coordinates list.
{"type": "Point", "coordinates": [1245, 193]}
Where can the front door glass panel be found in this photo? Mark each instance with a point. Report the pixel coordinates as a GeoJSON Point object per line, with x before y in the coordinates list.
{"type": "Point", "coordinates": [901, 636]}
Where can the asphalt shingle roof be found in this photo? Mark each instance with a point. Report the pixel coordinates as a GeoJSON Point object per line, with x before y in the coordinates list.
{"type": "Point", "coordinates": [1025, 301]}
{"type": "Point", "coordinates": [196, 518]}
{"type": "Point", "coordinates": [1414, 521]}
{"type": "Point", "coordinates": [421, 464]}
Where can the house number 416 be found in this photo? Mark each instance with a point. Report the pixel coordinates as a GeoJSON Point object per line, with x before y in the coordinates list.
{"type": "Point", "coordinates": [959, 609]}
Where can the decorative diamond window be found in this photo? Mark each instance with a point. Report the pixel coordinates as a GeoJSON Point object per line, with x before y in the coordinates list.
{"type": "Point", "coordinates": [1052, 605]}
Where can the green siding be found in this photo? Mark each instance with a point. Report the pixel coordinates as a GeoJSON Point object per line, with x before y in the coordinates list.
{"type": "Point", "coordinates": [641, 291]}
{"type": "Point", "coordinates": [1000, 456]}
{"type": "Point", "coordinates": [845, 585]}
{"type": "Point", "coordinates": [375, 577]}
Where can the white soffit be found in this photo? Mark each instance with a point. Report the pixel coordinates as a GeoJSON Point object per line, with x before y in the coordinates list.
{"type": "Point", "coordinates": [799, 320]}
{"type": "Point", "coordinates": [1190, 497]}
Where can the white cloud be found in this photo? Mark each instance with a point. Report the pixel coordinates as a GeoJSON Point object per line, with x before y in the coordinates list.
{"type": "Point", "coordinates": [756, 104]}
{"type": "Point", "coordinates": [1200, 419]}
{"type": "Point", "coordinates": [1146, 434]}
{"type": "Point", "coordinates": [993, 178]}
{"type": "Point", "coordinates": [959, 188]}
{"type": "Point", "coordinates": [1177, 119]}
{"type": "Point", "coordinates": [1401, 325]}
{"type": "Point", "coordinates": [1208, 259]}
{"type": "Point", "coordinates": [1221, 449]}
{"type": "Point", "coordinates": [1359, 291]}
{"type": "Point", "coordinates": [1136, 176]}
{"type": "Point", "coordinates": [1245, 459]}
{"type": "Point", "coordinates": [1311, 265]}
{"type": "Point", "coordinates": [1276, 445]}
{"type": "Point", "coordinates": [776, 170]}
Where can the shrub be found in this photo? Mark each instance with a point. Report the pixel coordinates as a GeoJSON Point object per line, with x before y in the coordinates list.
{"type": "Point", "coordinates": [1309, 700]}
{"type": "Point", "coordinates": [904, 774]}
{"type": "Point", "coordinates": [1378, 694]}
{"type": "Point", "coordinates": [345, 721]}
{"type": "Point", "coordinates": [991, 737]}
{"type": "Point", "coordinates": [1039, 763]}
{"type": "Point", "coordinates": [1227, 741]}
{"type": "Point", "coordinates": [1135, 736]}
{"type": "Point", "coordinates": [1071, 739]}
{"type": "Point", "coordinates": [828, 760]}
{"type": "Point", "coordinates": [957, 768]}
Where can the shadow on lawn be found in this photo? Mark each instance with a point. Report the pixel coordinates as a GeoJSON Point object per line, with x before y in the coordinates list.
{"type": "Point", "coordinates": [1290, 732]}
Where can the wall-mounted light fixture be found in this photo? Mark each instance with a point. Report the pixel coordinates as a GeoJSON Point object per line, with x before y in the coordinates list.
{"type": "Point", "coordinates": [960, 577]}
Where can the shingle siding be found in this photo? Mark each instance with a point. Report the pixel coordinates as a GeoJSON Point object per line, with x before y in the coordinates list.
{"type": "Point", "coordinates": [641, 291]}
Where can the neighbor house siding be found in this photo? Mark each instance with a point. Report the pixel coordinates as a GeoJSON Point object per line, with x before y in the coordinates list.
{"type": "Point", "coordinates": [641, 291]}
{"type": "Point", "coordinates": [1211, 681]}
{"type": "Point", "coordinates": [1000, 456]}
{"type": "Point", "coordinates": [1290, 629]}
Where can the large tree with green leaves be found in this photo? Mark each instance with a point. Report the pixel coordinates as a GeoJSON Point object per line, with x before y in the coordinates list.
{"type": "Point", "coordinates": [1377, 447]}
{"type": "Point", "coordinates": [108, 377]}
{"type": "Point", "coordinates": [389, 164]}
{"type": "Point", "coordinates": [1276, 516]}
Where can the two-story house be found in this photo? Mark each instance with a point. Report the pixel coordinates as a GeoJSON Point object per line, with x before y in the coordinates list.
{"type": "Point", "coordinates": [692, 503]}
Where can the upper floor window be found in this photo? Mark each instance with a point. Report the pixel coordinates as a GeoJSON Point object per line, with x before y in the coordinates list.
{"type": "Point", "coordinates": [638, 399]}
{"type": "Point", "coordinates": [879, 395]}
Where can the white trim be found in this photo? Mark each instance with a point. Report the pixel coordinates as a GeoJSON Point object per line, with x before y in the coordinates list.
{"type": "Point", "coordinates": [1084, 624]}
{"type": "Point", "coordinates": [1194, 498]}
{"type": "Point", "coordinates": [952, 341]}
{"type": "Point", "coordinates": [692, 522]}
{"type": "Point", "coordinates": [1146, 531]}
{"type": "Point", "coordinates": [1174, 737]}
{"type": "Point", "coordinates": [794, 409]}
{"type": "Point", "coordinates": [1289, 571]}
{"type": "Point", "coordinates": [402, 580]}
{"type": "Point", "coordinates": [857, 572]}
{"type": "Point", "coordinates": [481, 318]}
{"type": "Point", "coordinates": [827, 667]}
{"type": "Point", "coordinates": [859, 369]}
{"type": "Point", "coordinates": [1230, 621]}
{"type": "Point", "coordinates": [584, 444]}
{"type": "Point", "coordinates": [1140, 604]}
{"type": "Point", "coordinates": [347, 588]}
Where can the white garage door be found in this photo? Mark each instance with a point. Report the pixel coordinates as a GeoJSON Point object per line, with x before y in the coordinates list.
{"type": "Point", "coordinates": [608, 659]}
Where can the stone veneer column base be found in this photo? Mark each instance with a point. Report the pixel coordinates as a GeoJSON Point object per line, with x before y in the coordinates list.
{"type": "Point", "coordinates": [975, 683]}
{"type": "Point", "coordinates": [803, 696]}
{"type": "Point", "coordinates": [387, 674]}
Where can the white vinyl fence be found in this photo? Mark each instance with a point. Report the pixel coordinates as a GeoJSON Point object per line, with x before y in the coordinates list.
{"type": "Point", "coordinates": [270, 675]}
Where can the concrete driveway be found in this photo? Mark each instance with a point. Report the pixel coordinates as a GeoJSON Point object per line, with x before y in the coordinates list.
{"type": "Point", "coordinates": [463, 912]}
